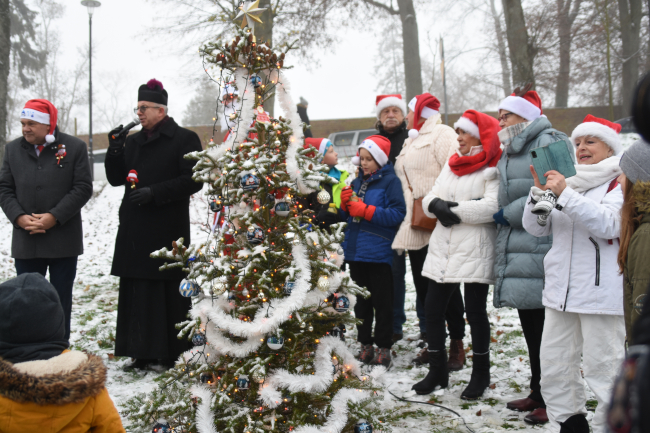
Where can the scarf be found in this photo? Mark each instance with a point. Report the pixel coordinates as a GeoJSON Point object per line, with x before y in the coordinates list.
{"type": "Point", "coordinates": [156, 127]}
{"type": "Point", "coordinates": [506, 135]}
{"type": "Point", "coordinates": [477, 158]}
{"type": "Point", "coordinates": [591, 176]}
{"type": "Point", "coordinates": [335, 173]}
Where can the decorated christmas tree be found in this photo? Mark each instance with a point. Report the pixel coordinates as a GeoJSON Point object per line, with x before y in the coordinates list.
{"type": "Point", "coordinates": [271, 304]}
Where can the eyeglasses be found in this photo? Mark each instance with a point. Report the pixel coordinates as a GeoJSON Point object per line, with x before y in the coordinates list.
{"type": "Point", "coordinates": [504, 117]}
{"type": "Point", "coordinates": [143, 108]}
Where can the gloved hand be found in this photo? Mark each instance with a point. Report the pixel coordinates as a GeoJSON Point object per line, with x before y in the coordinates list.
{"type": "Point", "coordinates": [440, 208]}
{"type": "Point", "coordinates": [500, 219]}
{"type": "Point", "coordinates": [361, 210]}
{"type": "Point", "coordinates": [346, 194]}
{"type": "Point", "coordinates": [537, 193]}
{"type": "Point", "coordinates": [116, 143]}
{"type": "Point", "coordinates": [141, 195]}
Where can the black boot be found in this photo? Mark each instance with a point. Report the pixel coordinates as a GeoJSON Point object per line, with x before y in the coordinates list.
{"type": "Point", "coordinates": [438, 374]}
{"type": "Point", "coordinates": [480, 377]}
{"type": "Point", "coordinates": [575, 424]}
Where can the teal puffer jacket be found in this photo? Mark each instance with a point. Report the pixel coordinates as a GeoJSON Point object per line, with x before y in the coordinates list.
{"type": "Point", "coordinates": [519, 267]}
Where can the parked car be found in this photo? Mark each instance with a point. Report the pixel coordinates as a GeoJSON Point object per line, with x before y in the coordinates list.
{"type": "Point", "coordinates": [346, 142]}
{"type": "Point", "coordinates": [99, 156]}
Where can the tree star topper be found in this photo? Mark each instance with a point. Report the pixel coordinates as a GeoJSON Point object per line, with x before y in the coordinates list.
{"type": "Point", "coordinates": [250, 11]}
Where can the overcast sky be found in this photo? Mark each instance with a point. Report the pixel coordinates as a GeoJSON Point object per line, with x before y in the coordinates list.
{"type": "Point", "coordinates": [342, 86]}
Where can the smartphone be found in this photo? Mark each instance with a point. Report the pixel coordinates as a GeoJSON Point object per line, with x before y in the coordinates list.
{"type": "Point", "coordinates": [555, 156]}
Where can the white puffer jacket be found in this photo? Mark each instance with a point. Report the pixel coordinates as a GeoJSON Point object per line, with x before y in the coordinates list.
{"type": "Point", "coordinates": [581, 273]}
{"type": "Point", "coordinates": [464, 252]}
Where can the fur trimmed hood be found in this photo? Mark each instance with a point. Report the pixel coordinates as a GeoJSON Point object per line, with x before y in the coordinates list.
{"type": "Point", "coordinates": [70, 377]}
{"type": "Point", "coordinates": [641, 191]}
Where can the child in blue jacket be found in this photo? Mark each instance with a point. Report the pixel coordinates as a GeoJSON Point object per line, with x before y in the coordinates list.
{"type": "Point", "coordinates": [375, 208]}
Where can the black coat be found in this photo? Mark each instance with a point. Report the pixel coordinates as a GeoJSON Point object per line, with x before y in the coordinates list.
{"type": "Point", "coordinates": [302, 112]}
{"type": "Point", "coordinates": [149, 227]}
{"type": "Point", "coordinates": [396, 138]}
{"type": "Point", "coordinates": [39, 184]}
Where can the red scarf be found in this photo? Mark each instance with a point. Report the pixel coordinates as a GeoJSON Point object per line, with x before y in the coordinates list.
{"type": "Point", "coordinates": [462, 165]}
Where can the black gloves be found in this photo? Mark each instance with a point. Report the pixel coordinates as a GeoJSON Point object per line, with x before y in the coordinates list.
{"type": "Point", "coordinates": [440, 208]}
{"type": "Point", "coordinates": [141, 195]}
{"type": "Point", "coordinates": [116, 143]}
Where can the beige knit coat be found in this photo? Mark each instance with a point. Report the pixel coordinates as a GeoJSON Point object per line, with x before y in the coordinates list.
{"type": "Point", "coordinates": [423, 160]}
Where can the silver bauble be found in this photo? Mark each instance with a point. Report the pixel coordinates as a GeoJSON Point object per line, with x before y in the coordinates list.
{"type": "Point", "coordinates": [218, 287]}
{"type": "Point", "coordinates": [323, 197]}
{"type": "Point", "coordinates": [302, 325]}
{"type": "Point", "coordinates": [323, 284]}
{"type": "Point", "coordinates": [259, 375]}
{"type": "Point", "coordinates": [310, 329]}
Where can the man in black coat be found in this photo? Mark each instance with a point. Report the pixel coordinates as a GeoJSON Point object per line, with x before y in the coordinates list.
{"type": "Point", "coordinates": [152, 215]}
{"type": "Point", "coordinates": [391, 123]}
{"type": "Point", "coordinates": [44, 182]}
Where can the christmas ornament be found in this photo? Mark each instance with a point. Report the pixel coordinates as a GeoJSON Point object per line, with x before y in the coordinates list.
{"type": "Point", "coordinates": [199, 339]}
{"type": "Point", "coordinates": [262, 117]}
{"type": "Point", "coordinates": [218, 287]}
{"type": "Point", "coordinates": [340, 251]}
{"type": "Point", "coordinates": [302, 325]}
{"type": "Point", "coordinates": [259, 375]}
{"type": "Point", "coordinates": [216, 206]}
{"type": "Point", "coordinates": [255, 235]}
{"type": "Point", "coordinates": [208, 378]}
{"type": "Point", "coordinates": [323, 284]}
{"type": "Point", "coordinates": [342, 303]}
{"type": "Point", "coordinates": [277, 143]}
{"type": "Point", "coordinates": [60, 154]}
{"type": "Point", "coordinates": [132, 178]}
{"type": "Point", "coordinates": [363, 426]}
{"type": "Point", "coordinates": [256, 81]}
{"type": "Point", "coordinates": [249, 13]}
{"type": "Point", "coordinates": [244, 292]}
{"type": "Point", "coordinates": [288, 287]}
{"type": "Point", "coordinates": [188, 288]}
{"type": "Point", "coordinates": [162, 426]}
{"type": "Point", "coordinates": [310, 329]}
{"type": "Point", "coordinates": [282, 209]}
{"type": "Point", "coordinates": [274, 342]}
{"type": "Point", "coordinates": [242, 205]}
{"type": "Point", "coordinates": [243, 383]}
{"type": "Point", "coordinates": [323, 197]}
{"type": "Point", "coordinates": [250, 182]}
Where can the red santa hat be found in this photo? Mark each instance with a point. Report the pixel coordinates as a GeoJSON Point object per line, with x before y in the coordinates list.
{"type": "Point", "coordinates": [385, 101]}
{"type": "Point", "coordinates": [600, 128]}
{"type": "Point", "coordinates": [41, 111]}
{"type": "Point", "coordinates": [423, 106]}
{"type": "Point", "coordinates": [379, 148]}
{"type": "Point", "coordinates": [321, 144]}
{"type": "Point", "coordinates": [528, 106]}
{"type": "Point", "coordinates": [486, 129]}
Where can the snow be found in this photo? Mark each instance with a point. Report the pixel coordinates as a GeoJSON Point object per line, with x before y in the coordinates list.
{"type": "Point", "coordinates": [94, 314]}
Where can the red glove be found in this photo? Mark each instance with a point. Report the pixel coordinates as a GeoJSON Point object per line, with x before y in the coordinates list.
{"type": "Point", "coordinates": [360, 209]}
{"type": "Point", "coordinates": [346, 194]}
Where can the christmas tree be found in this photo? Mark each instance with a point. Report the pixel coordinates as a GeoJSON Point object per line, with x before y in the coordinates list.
{"type": "Point", "coordinates": [271, 302]}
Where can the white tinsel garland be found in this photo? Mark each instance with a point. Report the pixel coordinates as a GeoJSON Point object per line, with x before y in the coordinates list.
{"type": "Point", "coordinates": [339, 412]}
{"type": "Point", "coordinates": [247, 98]}
{"type": "Point", "coordinates": [204, 414]}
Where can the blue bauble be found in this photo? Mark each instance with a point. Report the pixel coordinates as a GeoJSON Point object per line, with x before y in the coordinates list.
{"type": "Point", "coordinates": [189, 288]}
{"type": "Point", "coordinates": [216, 206]}
{"type": "Point", "coordinates": [274, 342]}
{"type": "Point", "coordinates": [256, 81]}
{"type": "Point", "coordinates": [199, 339]}
{"type": "Point", "coordinates": [282, 209]}
{"type": "Point", "coordinates": [363, 426]}
{"type": "Point", "coordinates": [161, 426]}
{"type": "Point", "coordinates": [255, 235]}
{"type": "Point", "coordinates": [243, 383]}
{"type": "Point", "coordinates": [288, 287]}
{"type": "Point", "coordinates": [341, 303]}
{"type": "Point", "coordinates": [250, 182]}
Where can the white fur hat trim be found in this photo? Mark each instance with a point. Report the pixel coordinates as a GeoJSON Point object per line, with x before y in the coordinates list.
{"type": "Point", "coordinates": [598, 130]}
{"type": "Point", "coordinates": [520, 107]}
{"type": "Point", "coordinates": [375, 151]}
{"type": "Point", "coordinates": [391, 101]}
{"type": "Point", "coordinates": [426, 111]}
{"type": "Point", "coordinates": [37, 116]}
{"type": "Point", "coordinates": [468, 126]}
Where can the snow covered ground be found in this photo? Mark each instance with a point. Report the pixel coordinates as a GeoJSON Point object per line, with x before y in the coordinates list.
{"type": "Point", "coordinates": [95, 310]}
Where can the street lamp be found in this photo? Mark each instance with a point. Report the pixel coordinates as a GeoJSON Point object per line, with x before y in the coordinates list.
{"type": "Point", "coordinates": [90, 5]}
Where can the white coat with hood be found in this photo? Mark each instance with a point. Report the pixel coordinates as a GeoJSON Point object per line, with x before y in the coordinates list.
{"type": "Point", "coordinates": [464, 252]}
{"type": "Point", "coordinates": [581, 272]}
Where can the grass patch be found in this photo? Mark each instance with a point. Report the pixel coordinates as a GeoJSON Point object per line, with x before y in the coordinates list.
{"type": "Point", "coordinates": [514, 385]}
{"type": "Point", "coordinates": [507, 426]}
{"type": "Point", "coordinates": [491, 401]}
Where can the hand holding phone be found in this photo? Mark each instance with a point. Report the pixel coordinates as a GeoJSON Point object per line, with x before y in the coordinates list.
{"type": "Point", "coordinates": [553, 157]}
{"type": "Point", "coordinates": [555, 181]}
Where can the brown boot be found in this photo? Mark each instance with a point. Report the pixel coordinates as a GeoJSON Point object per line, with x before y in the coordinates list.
{"type": "Point", "coordinates": [422, 358]}
{"type": "Point", "coordinates": [456, 355]}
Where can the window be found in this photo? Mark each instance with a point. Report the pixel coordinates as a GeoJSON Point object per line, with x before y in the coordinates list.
{"type": "Point", "coordinates": [344, 139]}
{"type": "Point", "coordinates": [365, 134]}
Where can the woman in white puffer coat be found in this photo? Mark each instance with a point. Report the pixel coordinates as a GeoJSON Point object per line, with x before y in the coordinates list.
{"type": "Point", "coordinates": [461, 248]}
{"type": "Point", "coordinates": [583, 290]}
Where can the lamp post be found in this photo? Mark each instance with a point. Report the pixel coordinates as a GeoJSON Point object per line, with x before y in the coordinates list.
{"type": "Point", "coordinates": [90, 5]}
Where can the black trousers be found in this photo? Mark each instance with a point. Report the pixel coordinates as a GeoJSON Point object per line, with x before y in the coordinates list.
{"type": "Point", "coordinates": [62, 274]}
{"type": "Point", "coordinates": [378, 279]}
{"type": "Point", "coordinates": [147, 314]}
{"type": "Point", "coordinates": [438, 302]}
{"type": "Point", "coordinates": [532, 324]}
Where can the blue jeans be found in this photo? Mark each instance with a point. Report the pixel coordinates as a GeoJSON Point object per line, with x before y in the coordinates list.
{"type": "Point", "coordinates": [62, 273]}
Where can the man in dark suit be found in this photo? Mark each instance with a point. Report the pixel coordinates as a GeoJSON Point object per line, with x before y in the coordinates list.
{"type": "Point", "coordinates": [44, 182]}
{"type": "Point", "coordinates": [152, 215]}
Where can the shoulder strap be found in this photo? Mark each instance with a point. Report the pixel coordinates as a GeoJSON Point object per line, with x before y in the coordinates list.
{"type": "Point", "coordinates": [407, 181]}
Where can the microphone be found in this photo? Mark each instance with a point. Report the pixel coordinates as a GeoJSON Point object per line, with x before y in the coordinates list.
{"type": "Point", "coordinates": [126, 129]}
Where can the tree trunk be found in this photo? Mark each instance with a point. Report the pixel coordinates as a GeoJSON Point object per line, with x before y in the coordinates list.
{"type": "Point", "coordinates": [501, 46]}
{"type": "Point", "coordinates": [522, 52]}
{"type": "Point", "coordinates": [565, 19]}
{"type": "Point", "coordinates": [264, 32]}
{"type": "Point", "coordinates": [5, 46]}
{"type": "Point", "coordinates": [630, 15]}
{"type": "Point", "coordinates": [411, 49]}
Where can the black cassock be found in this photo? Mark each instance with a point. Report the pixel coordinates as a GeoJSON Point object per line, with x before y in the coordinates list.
{"type": "Point", "coordinates": [150, 304]}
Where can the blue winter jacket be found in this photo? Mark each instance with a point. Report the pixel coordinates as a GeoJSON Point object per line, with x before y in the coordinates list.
{"type": "Point", "coordinates": [370, 241]}
{"type": "Point", "coordinates": [519, 263]}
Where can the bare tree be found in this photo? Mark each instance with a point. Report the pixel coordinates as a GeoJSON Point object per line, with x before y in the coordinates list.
{"type": "Point", "coordinates": [203, 107]}
{"type": "Point", "coordinates": [567, 12]}
{"type": "Point", "coordinates": [389, 62]}
{"type": "Point", "coordinates": [630, 18]}
{"type": "Point", "coordinates": [501, 49]}
{"type": "Point", "coordinates": [522, 49]}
